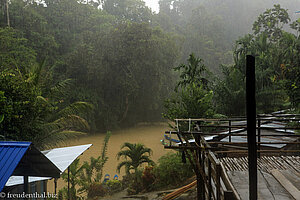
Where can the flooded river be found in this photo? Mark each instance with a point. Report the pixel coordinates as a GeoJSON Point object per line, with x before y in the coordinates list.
{"type": "Point", "coordinates": [147, 134]}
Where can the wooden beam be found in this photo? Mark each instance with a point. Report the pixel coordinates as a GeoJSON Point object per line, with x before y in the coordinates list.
{"type": "Point", "coordinates": [228, 184]}
{"type": "Point", "coordinates": [262, 151]}
{"type": "Point", "coordinates": [257, 142]}
{"type": "Point", "coordinates": [232, 134]}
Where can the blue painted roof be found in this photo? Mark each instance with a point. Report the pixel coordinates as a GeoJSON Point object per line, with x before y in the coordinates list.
{"type": "Point", "coordinates": [11, 154]}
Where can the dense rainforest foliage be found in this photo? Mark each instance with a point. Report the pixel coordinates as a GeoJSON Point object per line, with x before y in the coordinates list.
{"type": "Point", "coordinates": [74, 66]}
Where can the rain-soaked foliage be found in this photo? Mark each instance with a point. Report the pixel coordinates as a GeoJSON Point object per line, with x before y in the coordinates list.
{"type": "Point", "coordinates": [104, 64]}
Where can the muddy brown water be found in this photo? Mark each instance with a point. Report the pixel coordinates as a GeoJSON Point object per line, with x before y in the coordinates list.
{"type": "Point", "coordinates": [147, 134]}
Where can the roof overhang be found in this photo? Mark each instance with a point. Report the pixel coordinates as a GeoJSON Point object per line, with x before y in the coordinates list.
{"type": "Point", "coordinates": [22, 158]}
{"type": "Point", "coordinates": [61, 157]}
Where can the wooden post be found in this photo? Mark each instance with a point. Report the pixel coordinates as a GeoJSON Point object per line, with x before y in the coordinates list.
{"type": "Point", "coordinates": [229, 130]}
{"type": "Point", "coordinates": [55, 185]}
{"type": "Point", "coordinates": [198, 174]}
{"type": "Point", "coordinates": [25, 184]}
{"type": "Point", "coordinates": [251, 126]}
{"type": "Point", "coordinates": [218, 182]}
{"type": "Point", "coordinates": [209, 179]}
{"type": "Point", "coordinates": [202, 154]}
{"type": "Point", "coordinates": [258, 137]}
{"type": "Point", "coordinates": [69, 183]}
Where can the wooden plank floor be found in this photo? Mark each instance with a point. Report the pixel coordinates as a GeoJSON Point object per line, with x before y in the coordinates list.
{"type": "Point", "coordinates": [293, 177]}
{"type": "Point", "coordinates": [268, 186]}
{"type": "Point", "coordinates": [276, 188]}
{"type": "Point", "coordinates": [278, 177]}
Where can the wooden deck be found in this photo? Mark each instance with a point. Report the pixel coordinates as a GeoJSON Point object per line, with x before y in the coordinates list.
{"type": "Point", "coordinates": [278, 177]}
{"type": "Point", "coordinates": [219, 155]}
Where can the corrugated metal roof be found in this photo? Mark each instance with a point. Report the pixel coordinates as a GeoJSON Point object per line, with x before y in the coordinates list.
{"type": "Point", "coordinates": [262, 139]}
{"type": "Point", "coordinates": [61, 157]}
{"type": "Point", "coordinates": [11, 154]}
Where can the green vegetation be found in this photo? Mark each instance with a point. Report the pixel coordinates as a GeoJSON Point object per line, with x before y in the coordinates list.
{"type": "Point", "coordinates": [135, 155]}
{"type": "Point", "coordinates": [170, 171]}
{"type": "Point", "coordinates": [118, 56]}
{"type": "Point", "coordinates": [87, 178]}
{"type": "Point", "coordinates": [193, 96]}
{"type": "Point", "coordinates": [68, 68]}
{"type": "Point", "coordinates": [277, 67]}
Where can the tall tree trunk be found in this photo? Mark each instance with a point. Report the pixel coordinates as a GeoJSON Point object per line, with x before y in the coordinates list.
{"type": "Point", "coordinates": [7, 14]}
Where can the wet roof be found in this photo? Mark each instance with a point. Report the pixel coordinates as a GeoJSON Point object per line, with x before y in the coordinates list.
{"type": "Point", "coordinates": [23, 159]}
{"type": "Point", "coordinates": [10, 156]}
{"type": "Point", "coordinates": [61, 157]}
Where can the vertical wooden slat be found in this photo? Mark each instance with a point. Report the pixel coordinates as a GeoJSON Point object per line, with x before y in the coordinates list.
{"type": "Point", "coordinates": [229, 131]}
{"type": "Point", "coordinates": [199, 178]}
{"type": "Point", "coordinates": [218, 182]}
{"type": "Point", "coordinates": [258, 136]}
{"type": "Point", "coordinates": [201, 153]}
{"type": "Point", "coordinates": [209, 179]}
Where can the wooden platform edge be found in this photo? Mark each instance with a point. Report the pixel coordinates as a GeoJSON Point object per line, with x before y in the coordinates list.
{"type": "Point", "coordinates": [228, 183]}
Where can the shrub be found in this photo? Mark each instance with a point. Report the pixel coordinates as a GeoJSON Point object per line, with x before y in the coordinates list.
{"type": "Point", "coordinates": [136, 185]}
{"type": "Point", "coordinates": [96, 190]}
{"type": "Point", "coordinates": [171, 171]}
{"type": "Point", "coordinates": [114, 186]}
{"type": "Point", "coordinates": [148, 178]}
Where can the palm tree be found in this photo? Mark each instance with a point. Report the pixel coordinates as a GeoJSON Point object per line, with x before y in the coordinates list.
{"type": "Point", "coordinates": [58, 120]}
{"type": "Point", "coordinates": [135, 155]}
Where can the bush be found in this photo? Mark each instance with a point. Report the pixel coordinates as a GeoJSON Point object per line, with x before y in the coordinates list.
{"type": "Point", "coordinates": [136, 185]}
{"type": "Point", "coordinates": [96, 190]}
{"type": "Point", "coordinates": [148, 178]}
{"type": "Point", "coordinates": [114, 186]}
{"type": "Point", "coordinates": [171, 171]}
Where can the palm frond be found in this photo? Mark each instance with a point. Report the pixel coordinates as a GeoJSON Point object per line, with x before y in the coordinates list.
{"type": "Point", "coordinates": [41, 99]}
{"type": "Point", "coordinates": [124, 153]}
{"type": "Point", "coordinates": [136, 155]}
{"type": "Point", "coordinates": [128, 145]}
{"type": "Point", "coordinates": [52, 138]}
{"type": "Point", "coordinates": [76, 108]}
{"type": "Point", "coordinates": [146, 159]}
{"type": "Point", "coordinates": [143, 149]}
{"type": "Point", "coordinates": [73, 122]}
{"type": "Point", "coordinates": [1, 118]}
{"type": "Point", "coordinates": [35, 72]}
{"type": "Point", "coordinates": [59, 89]}
{"type": "Point", "coordinates": [127, 164]}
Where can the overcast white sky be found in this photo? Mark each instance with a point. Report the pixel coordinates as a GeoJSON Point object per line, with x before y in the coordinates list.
{"type": "Point", "coordinates": [153, 4]}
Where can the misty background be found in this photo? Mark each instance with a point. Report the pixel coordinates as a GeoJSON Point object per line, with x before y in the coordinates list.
{"type": "Point", "coordinates": [119, 55]}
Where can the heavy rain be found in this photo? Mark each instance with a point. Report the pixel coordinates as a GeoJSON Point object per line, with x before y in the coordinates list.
{"type": "Point", "coordinates": [112, 99]}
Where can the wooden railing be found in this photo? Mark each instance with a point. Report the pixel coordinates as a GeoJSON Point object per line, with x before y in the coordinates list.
{"type": "Point", "coordinates": [212, 179]}
{"type": "Point", "coordinates": [218, 186]}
